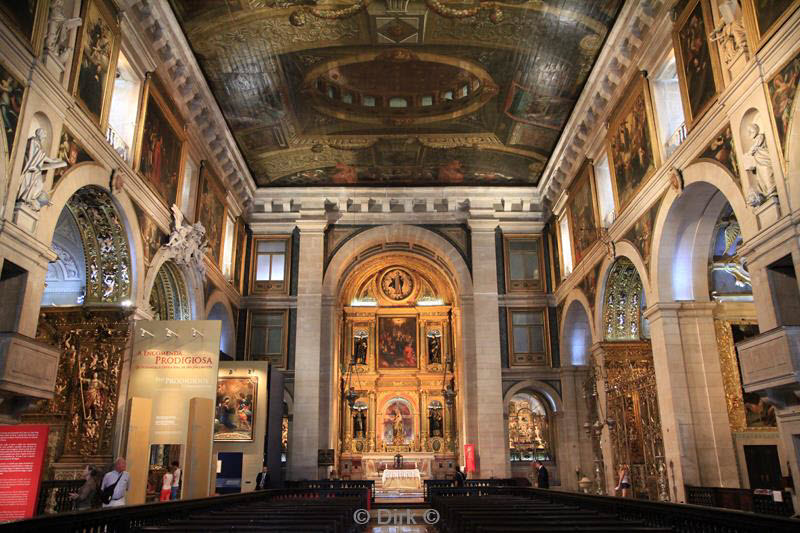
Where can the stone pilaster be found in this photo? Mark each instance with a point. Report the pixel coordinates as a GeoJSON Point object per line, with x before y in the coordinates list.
{"type": "Point", "coordinates": [482, 361]}
{"type": "Point", "coordinates": [694, 418]}
{"type": "Point", "coordinates": [305, 436]}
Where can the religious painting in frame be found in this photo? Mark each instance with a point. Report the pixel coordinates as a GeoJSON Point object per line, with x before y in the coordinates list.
{"type": "Point", "coordinates": [211, 212]}
{"type": "Point", "coordinates": [235, 412]}
{"type": "Point", "coordinates": [397, 342]}
{"type": "Point", "coordinates": [12, 93]}
{"type": "Point", "coordinates": [71, 151]}
{"type": "Point", "coordinates": [764, 17]}
{"type": "Point", "coordinates": [584, 218]}
{"type": "Point", "coordinates": [27, 18]}
{"type": "Point", "coordinates": [239, 251]}
{"type": "Point", "coordinates": [782, 92]}
{"type": "Point", "coordinates": [696, 59]}
{"type": "Point", "coordinates": [632, 152]}
{"type": "Point", "coordinates": [95, 60]}
{"type": "Point", "coordinates": [160, 148]}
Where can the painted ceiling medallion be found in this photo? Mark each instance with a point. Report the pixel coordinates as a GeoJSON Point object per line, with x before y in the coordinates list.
{"type": "Point", "coordinates": [397, 284]}
{"type": "Point", "coordinates": [398, 86]}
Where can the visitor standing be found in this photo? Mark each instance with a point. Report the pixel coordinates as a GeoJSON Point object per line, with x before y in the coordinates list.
{"type": "Point", "coordinates": [83, 499]}
{"type": "Point", "coordinates": [262, 479]}
{"type": "Point", "coordinates": [176, 481]}
{"type": "Point", "coordinates": [166, 485]}
{"type": "Point", "coordinates": [542, 477]}
{"type": "Point", "coordinates": [624, 485]}
{"type": "Point", "coordinates": [115, 485]}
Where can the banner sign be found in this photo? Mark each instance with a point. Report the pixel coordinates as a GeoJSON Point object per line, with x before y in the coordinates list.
{"type": "Point", "coordinates": [174, 361]}
{"type": "Point", "coordinates": [22, 451]}
{"type": "Point", "coordinates": [469, 457]}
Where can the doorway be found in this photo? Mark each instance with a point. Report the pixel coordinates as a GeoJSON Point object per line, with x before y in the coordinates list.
{"type": "Point", "coordinates": [763, 467]}
{"type": "Point", "coordinates": [229, 472]}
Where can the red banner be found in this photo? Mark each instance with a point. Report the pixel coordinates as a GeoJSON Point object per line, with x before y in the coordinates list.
{"type": "Point", "coordinates": [21, 457]}
{"type": "Point", "coordinates": [469, 457]}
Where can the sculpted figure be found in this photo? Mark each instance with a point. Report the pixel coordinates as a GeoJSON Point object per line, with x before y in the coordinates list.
{"type": "Point", "coordinates": [58, 28]}
{"type": "Point", "coordinates": [187, 243]}
{"type": "Point", "coordinates": [730, 33]}
{"type": "Point", "coordinates": [31, 188]}
{"type": "Point", "coordinates": [759, 164]}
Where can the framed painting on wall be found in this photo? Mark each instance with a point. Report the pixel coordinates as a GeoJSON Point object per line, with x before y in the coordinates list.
{"type": "Point", "coordinates": [632, 153]}
{"type": "Point", "coordinates": [211, 212]}
{"type": "Point", "coordinates": [764, 17]}
{"type": "Point", "coordinates": [239, 254]}
{"type": "Point", "coordinates": [161, 146]}
{"type": "Point", "coordinates": [96, 59]}
{"type": "Point", "coordinates": [397, 342]}
{"type": "Point", "coordinates": [583, 213]}
{"type": "Point", "coordinates": [235, 413]}
{"type": "Point", "coordinates": [697, 61]}
{"type": "Point", "coordinates": [27, 18]}
{"type": "Point", "coordinates": [782, 92]}
{"type": "Point", "coordinates": [12, 93]}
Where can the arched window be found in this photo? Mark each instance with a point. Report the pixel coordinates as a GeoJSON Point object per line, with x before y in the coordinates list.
{"type": "Point", "coordinates": [529, 435]}
{"type": "Point", "coordinates": [624, 300]}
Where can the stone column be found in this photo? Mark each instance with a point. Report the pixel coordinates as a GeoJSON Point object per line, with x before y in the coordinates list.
{"type": "Point", "coordinates": [691, 396]}
{"type": "Point", "coordinates": [571, 442]}
{"type": "Point", "coordinates": [305, 436]}
{"type": "Point", "coordinates": [482, 356]}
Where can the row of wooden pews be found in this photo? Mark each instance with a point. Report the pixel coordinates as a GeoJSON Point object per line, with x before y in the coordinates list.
{"type": "Point", "coordinates": [490, 513]}
{"type": "Point", "coordinates": [300, 515]}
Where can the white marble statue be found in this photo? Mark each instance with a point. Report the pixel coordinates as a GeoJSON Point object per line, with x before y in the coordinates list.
{"type": "Point", "coordinates": [31, 188]}
{"type": "Point", "coordinates": [187, 243]}
{"type": "Point", "coordinates": [57, 41]}
{"type": "Point", "coordinates": [730, 32]}
{"type": "Point", "coordinates": [759, 164]}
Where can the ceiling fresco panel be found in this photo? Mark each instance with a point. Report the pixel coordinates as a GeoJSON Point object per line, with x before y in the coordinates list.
{"type": "Point", "coordinates": [321, 92]}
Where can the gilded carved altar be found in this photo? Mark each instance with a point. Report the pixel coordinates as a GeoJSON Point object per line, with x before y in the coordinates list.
{"type": "Point", "coordinates": [632, 401]}
{"type": "Point", "coordinates": [397, 374]}
{"type": "Point", "coordinates": [83, 411]}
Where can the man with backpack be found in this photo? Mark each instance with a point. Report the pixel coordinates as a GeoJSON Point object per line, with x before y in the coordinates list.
{"type": "Point", "coordinates": [115, 485]}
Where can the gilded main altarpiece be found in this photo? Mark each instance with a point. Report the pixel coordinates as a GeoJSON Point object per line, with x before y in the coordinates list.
{"type": "Point", "coordinates": [397, 351]}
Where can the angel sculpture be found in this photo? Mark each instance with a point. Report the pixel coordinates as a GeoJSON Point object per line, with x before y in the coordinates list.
{"type": "Point", "coordinates": [187, 243]}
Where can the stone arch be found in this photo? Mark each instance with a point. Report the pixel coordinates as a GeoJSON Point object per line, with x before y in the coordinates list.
{"type": "Point", "coordinates": [169, 297]}
{"type": "Point", "coordinates": [629, 251]}
{"type": "Point", "coordinates": [684, 229]}
{"type": "Point", "coordinates": [219, 308]}
{"type": "Point", "coordinates": [577, 332]}
{"type": "Point", "coordinates": [547, 392]}
{"type": "Point", "coordinates": [94, 174]}
{"type": "Point", "coordinates": [194, 283]}
{"type": "Point", "coordinates": [426, 241]}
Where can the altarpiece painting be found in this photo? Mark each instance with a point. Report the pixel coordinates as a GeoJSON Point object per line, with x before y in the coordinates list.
{"type": "Point", "coordinates": [160, 148]}
{"type": "Point", "coordinates": [24, 17]}
{"type": "Point", "coordinates": [234, 417]}
{"type": "Point", "coordinates": [782, 91]}
{"type": "Point", "coordinates": [397, 342]}
{"type": "Point", "coordinates": [11, 94]}
{"type": "Point", "coordinates": [398, 422]}
{"type": "Point", "coordinates": [96, 59]}
{"type": "Point", "coordinates": [764, 17]}
{"type": "Point", "coordinates": [633, 155]}
{"type": "Point", "coordinates": [211, 213]}
{"type": "Point", "coordinates": [584, 217]}
{"type": "Point", "coordinates": [697, 61]}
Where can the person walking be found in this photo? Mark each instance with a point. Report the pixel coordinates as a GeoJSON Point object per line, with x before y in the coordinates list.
{"type": "Point", "coordinates": [115, 485]}
{"type": "Point", "coordinates": [83, 499]}
{"type": "Point", "coordinates": [542, 477]}
{"type": "Point", "coordinates": [175, 493]}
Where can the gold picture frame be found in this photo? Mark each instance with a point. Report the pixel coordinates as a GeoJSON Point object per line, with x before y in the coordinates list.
{"type": "Point", "coordinates": [231, 422]}
{"type": "Point", "coordinates": [98, 40]}
{"type": "Point", "coordinates": [400, 326]}
{"type": "Point", "coordinates": [33, 37]}
{"type": "Point", "coordinates": [695, 24]}
{"type": "Point", "coordinates": [634, 112]}
{"type": "Point", "coordinates": [209, 184]}
{"type": "Point", "coordinates": [147, 122]}
{"type": "Point", "coordinates": [789, 73]}
{"type": "Point", "coordinates": [755, 19]}
{"type": "Point", "coordinates": [584, 178]}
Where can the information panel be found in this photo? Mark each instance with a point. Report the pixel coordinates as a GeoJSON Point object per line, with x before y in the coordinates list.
{"type": "Point", "coordinates": [22, 451]}
{"type": "Point", "coordinates": [173, 362]}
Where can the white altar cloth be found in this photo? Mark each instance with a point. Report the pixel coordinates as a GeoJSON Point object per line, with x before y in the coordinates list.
{"type": "Point", "coordinates": [401, 479]}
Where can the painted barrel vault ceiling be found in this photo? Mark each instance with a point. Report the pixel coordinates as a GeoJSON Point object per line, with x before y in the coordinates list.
{"type": "Point", "coordinates": [392, 92]}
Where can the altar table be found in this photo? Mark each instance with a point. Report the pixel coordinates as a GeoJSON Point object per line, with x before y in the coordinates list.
{"type": "Point", "coordinates": [401, 479]}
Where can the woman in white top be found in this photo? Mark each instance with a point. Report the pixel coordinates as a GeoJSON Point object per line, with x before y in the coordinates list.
{"type": "Point", "coordinates": [166, 485]}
